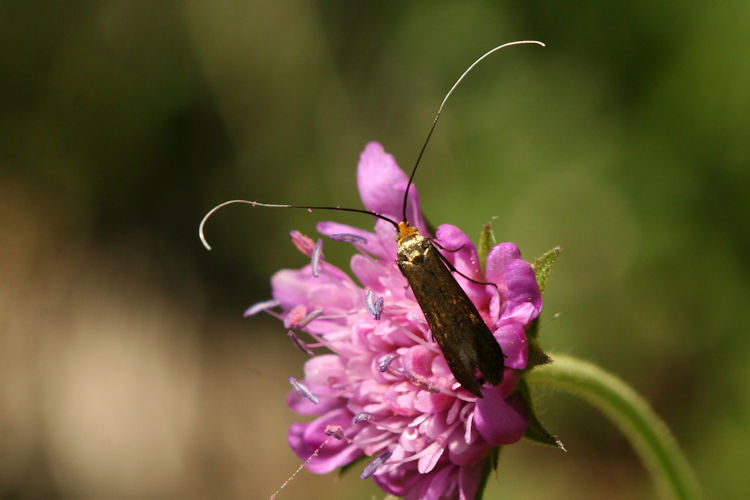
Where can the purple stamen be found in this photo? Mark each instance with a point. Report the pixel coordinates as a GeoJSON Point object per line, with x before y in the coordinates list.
{"type": "Point", "coordinates": [335, 431]}
{"type": "Point", "coordinates": [374, 307]}
{"type": "Point", "coordinates": [303, 390]}
{"type": "Point", "coordinates": [302, 242]}
{"type": "Point", "coordinates": [260, 306]}
{"type": "Point", "coordinates": [348, 238]}
{"type": "Point", "coordinates": [420, 381]}
{"type": "Point", "coordinates": [310, 316]}
{"type": "Point", "coordinates": [378, 307]}
{"type": "Point", "coordinates": [375, 464]}
{"type": "Point", "coordinates": [369, 301]}
{"type": "Point", "coordinates": [316, 253]}
{"type": "Point", "coordinates": [298, 343]}
{"type": "Point", "coordinates": [362, 416]}
{"type": "Point", "coordinates": [385, 363]}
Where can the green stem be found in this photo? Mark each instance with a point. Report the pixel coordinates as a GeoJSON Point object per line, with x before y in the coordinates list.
{"type": "Point", "coordinates": [648, 434]}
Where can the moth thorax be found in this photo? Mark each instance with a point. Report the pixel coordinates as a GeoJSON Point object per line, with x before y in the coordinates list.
{"type": "Point", "coordinates": [412, 248]}
{"type": "Point", "coordinates": [404, 231]}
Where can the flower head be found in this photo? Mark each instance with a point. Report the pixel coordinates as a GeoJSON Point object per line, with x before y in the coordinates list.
{"type": "Point", "coordinates": [384, 385]}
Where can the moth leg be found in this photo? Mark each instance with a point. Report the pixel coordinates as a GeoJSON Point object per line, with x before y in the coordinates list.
{"type": "Point", "coordinates": [453, 269]}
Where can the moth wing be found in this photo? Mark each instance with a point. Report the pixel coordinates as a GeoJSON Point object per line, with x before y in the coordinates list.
{"type": "Point", "coordinates": [464, 338]}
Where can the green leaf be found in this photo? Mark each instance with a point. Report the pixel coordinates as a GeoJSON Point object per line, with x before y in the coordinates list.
{"type": "Point", "coordinates": [533, 331]}
{"type": "Point", "coordinates": [536, 431]}
{"type": "Point", "coordinates": [543, 266]}
{"type": "Point", "coordinates": [486, 242]}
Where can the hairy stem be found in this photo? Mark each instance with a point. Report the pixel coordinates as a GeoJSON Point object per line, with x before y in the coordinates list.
{"type": "Point", "coordinates": [648, 434]}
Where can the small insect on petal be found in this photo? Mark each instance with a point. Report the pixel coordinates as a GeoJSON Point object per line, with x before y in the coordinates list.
{"type": "Point", "coordinates": [298, 343]}
{"type": "Point", "coordinates": [348, 238]}
{"type": "Point", "coordinates": [374, 307]}
{"type": "Point", "coordinates": [260, 306]}
{"type": "Point", "coordinates": [316, 254]}
{"type": "Point", "coordinates": [375, 464]}
{"type": "Point", "coordinates": [385, 363]}
{"type": "Point", "coordinates": [303, 390]}
{"type": "Point", "coordinates": [362, 416]}
{"type": "Point", "coordinates": [303, 243]}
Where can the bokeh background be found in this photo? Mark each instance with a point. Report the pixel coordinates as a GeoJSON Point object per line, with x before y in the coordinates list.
{"type": "Point", "coordinates": [126, 369]}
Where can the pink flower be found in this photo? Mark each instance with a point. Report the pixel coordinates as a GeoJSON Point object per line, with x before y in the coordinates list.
{"type": "Point", "coordinates": [385, 382]}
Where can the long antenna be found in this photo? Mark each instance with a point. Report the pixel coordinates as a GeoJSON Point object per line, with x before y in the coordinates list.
{"type": "Point", "coordinates": [421, 151]}
{"type": "Point", "coordinates": [273, 205]}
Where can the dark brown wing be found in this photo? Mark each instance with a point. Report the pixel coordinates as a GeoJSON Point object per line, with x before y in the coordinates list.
{"type": "Point", "coordinates": [466, 341]}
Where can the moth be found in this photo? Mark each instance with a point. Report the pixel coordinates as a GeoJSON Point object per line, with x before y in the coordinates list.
{"type": "Point", "coordinates": [458, 328]}
{"type": "Point", "coordinates": [465, 340]}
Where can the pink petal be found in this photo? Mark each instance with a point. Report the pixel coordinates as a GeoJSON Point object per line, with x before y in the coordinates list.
{"type": "Point", "coordinates": [429, 459]}
{"type": "Point", "coordinates": [429, 402]}
{"type": "Point", "coordinates": [400, 480]}
{"type": "Point", "coordinates": [304, 406]}
{"type": "Point", "coordinates": [460, 251]}
{"type": "Point", "coordinates": [368, 272]}
{"type": "Point", "coordinates": [328, 228]}
{"type": "Point", "coordinates": [463, 453]}
{"type": "Point", "coordinates": [509, 385]}
{"type": "Point", "coordinates": [512, 340]}
{"type": "Point", "coordinates": [294, 287]}
{"type": "Point", "coordinates": [523, 289]}
{"type": "Point", "coordinates": [381, 186]}
{"type": "Point", "coordinates": [418, 359]}
{"type": "Point", "coordinates": [439, 483]}
{"type": "Point", "coordinates": [497, 261]}
{"type": "Point", "coordinates": [499, 421]}
{"type": "Point", "coordinates": [322, 374]}
{"type": "Point", "coordinates": [468, 480]}
{"type": "Point", "coordinates": [304, 439]}
{"type": "Point", "coordinates": [326, 369]}
{"type": "Point", "coordinates": [374, 246]}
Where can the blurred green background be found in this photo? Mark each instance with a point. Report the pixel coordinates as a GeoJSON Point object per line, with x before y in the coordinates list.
{"type": "Point", "coordinates": [126, 369]}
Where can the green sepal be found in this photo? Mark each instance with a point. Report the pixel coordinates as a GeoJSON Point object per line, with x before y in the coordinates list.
{"type": "Point", "coordinates": [494, 457]}
{"type": "Point", "coordinates": [535, 430]}
{"type": "Point", "coordinates": [533, 331]}
{"type": "Point", "coordinates": [543, 266]}
{"type": "Point", "coordinates": [491, 466]}
{"type": "Point", "coordinates": [536, 355]}
{"type": "Point", "coordinates": [486, 242]}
